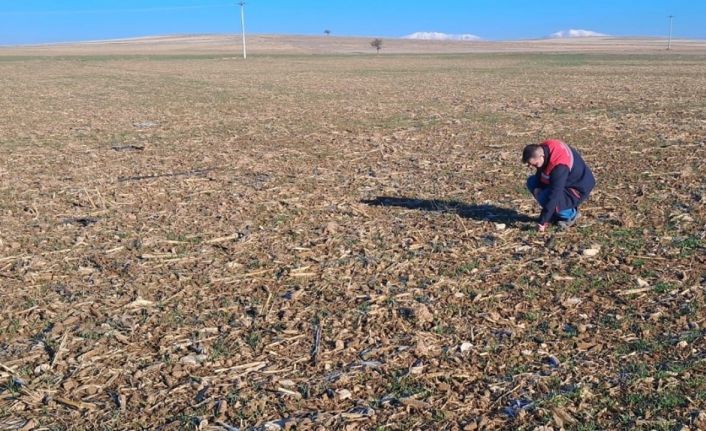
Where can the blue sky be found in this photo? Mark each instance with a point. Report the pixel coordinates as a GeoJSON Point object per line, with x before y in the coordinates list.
{"type": "Point", "coordinates": [40, 21]}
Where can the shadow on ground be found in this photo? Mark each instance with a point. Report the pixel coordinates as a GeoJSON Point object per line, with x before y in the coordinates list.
{"type": "Point", "coordinates": [476, 212]}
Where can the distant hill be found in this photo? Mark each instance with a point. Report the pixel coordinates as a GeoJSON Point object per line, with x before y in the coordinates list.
{"type": "Point", "coordinates": [230, 46]}
{"type": "Point", "coordinates": [431, 35]}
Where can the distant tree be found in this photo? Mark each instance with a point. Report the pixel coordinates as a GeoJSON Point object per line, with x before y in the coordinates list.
{"type": "Point", "coordinates": [327, 32]}
{"type": "Point", "coordinates": [377, 44]}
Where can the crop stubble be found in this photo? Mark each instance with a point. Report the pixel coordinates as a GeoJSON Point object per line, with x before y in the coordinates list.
{"type": "Point", "coordinates": [342, 242]}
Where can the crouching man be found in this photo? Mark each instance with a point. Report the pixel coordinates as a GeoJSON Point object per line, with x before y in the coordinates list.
{"type": "Point", "coordinates": [563, 181]}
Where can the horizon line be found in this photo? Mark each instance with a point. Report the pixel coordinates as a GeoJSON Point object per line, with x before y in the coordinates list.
{"type": "Point", "coordinates": [402, 38]}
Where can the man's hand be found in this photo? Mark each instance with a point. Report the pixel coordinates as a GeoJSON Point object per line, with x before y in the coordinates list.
{"type": "Point", "coordinates": [541, 227]}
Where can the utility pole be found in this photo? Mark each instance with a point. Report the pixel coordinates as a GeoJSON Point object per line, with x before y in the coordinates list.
{"type": "Point", "coordinates": [669, 43]}
{"type": "Point", "coordinates": [242, 26]}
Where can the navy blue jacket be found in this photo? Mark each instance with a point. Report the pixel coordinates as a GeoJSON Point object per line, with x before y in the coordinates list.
{"type": "Point", "coordinates": [569, 187]}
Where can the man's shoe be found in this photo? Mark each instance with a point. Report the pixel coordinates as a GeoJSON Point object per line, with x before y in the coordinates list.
{"type": "Point", "coordinates": [565, 224]}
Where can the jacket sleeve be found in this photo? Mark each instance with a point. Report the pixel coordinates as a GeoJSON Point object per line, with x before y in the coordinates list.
{"type": "Point", "coordinates": [557, 184]}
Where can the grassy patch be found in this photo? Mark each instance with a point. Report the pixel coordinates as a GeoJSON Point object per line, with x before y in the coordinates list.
{"type": "Point", "coordinates": [401, 385]}
{"type": "Point", "coordinates": [639, 346]}
{"type": "Point", "coordinates": [628, 239]}
{"type": "Point", "coordinates": [688, 245]}
{"type": "Point", "coordinates": [657, 402]}
{"type": "Point", "coordinates": [663, 287]}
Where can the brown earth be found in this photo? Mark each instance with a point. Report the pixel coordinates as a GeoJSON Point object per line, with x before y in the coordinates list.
{"type": "Point", "coordinates": [193, 241]}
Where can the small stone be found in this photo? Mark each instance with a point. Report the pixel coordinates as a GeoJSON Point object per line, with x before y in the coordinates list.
{"type": "Point", "coordinates": [593, 251]}
{"type": "Point", "coordinates": [571, 302]}
{"type": "Point", "coordinates": [417, 367]}
{"type": "Point", "coordinates": [465, 346]}
{"type": "Point", "coordinates": [188, 360]}
{"type": "Point", "coordinates": [641, 282]}
{"type": "Point", "coordinates": [41, 369]}
{"type": "Point", "coordinates": [500, 226]}
{"type": "Point", "coordinates": [682, 344]}
{"type": "Point", "coordinates": [343, 394]}
{"type": "Point", "coordinates": [273, 426]}
{"type": "Point", "coordinates": [193, 359]}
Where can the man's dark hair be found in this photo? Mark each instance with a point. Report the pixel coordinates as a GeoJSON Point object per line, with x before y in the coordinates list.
{"type": "Point", "coordinates": [531, 151]}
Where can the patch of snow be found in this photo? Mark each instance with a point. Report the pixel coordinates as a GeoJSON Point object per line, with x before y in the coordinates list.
{"type": "Point", "coordinates": [573, 33]}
